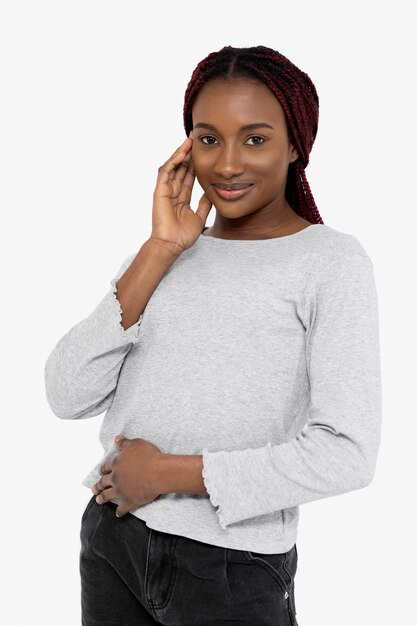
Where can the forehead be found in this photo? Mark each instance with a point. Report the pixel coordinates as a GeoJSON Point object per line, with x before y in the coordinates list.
{"type": "Point", "coordinates": [238, 102]}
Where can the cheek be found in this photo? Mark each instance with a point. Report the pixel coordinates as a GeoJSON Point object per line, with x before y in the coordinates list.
{"type": "Point", "coordinates": [271, 170]}
{"type": "Point", "coordinates": [202, 164]}
{"type": "Point", "coordinates": [265, 162]}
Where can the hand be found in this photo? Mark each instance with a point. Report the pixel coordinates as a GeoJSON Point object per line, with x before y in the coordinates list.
{"type": "Point", "coordinates": [174, 223]}
{"type": "Point", "coordinates": [128, 476]}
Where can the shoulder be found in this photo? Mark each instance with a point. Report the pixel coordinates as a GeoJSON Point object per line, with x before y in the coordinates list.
{"type": "Point", "coordinates": [331, 250]}
{"type": "Point", "coordinates": [339, 279]}
{"type": "Point", "coordinates": [336, 243]}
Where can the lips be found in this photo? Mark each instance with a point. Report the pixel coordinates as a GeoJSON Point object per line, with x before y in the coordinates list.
{"type": "Point", "coordinates": [232, 185]}
{"type": "Point", "coordinates": [233, 192]}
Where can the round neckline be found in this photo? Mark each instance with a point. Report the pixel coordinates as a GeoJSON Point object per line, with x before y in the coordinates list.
{"type": "Point", "coordinates": [255, 241]}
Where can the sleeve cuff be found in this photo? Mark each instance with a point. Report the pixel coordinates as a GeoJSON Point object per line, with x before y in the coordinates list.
{"type": "Point", "coordinates": [234, 481]}
{"type": "Point", "coordinates": [210, 484]}
{"type": "Point", "coordinates": [131, 333]}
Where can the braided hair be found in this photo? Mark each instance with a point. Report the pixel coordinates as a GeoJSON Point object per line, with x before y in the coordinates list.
{"type": "Point", "coordinates": [295, 92]}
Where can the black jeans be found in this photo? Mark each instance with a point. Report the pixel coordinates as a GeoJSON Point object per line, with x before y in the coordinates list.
{"type": "Point", "coordinates": [135, 575]}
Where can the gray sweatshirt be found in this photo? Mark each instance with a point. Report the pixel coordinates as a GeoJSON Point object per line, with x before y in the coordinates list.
{"type": "Point", "coordinates": [261, 355]}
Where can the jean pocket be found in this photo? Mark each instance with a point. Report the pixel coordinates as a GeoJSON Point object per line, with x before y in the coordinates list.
{"type": "Point", "coordinates": [281, 566]}
{"type": "Point", "coordinates": [273, 564]}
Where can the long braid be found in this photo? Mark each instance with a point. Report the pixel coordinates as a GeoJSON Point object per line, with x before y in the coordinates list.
{"type": "Point", "coordinates": [297, 95]}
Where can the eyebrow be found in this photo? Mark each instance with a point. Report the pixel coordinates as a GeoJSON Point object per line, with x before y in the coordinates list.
{"type": "Point", "coordinates": [247, 127]}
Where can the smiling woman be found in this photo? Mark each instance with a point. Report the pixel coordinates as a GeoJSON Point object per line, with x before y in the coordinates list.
{"type": "Point", "coordinates": [234, 156]}
{"type": "Point", "coordinates": [231, 93]}
{"type": "Point", "coordinates": [239, 364]}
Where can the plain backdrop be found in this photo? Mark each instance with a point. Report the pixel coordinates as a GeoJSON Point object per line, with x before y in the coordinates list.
{"type": "Point", "coordinates": [91, 100]}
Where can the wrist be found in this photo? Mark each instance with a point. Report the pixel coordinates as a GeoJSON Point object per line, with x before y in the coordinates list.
{"type": "Point", "coordinates": [177, 473]}
{"type": "Point", "coordinates": [169, 249]}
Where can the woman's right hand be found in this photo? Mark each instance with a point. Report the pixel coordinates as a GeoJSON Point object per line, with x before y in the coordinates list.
{"type": "Point", "coordinates": [174, 223]}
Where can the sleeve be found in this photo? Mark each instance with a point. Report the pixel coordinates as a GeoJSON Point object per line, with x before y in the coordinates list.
{"type": "Point", "coordinates": [82, 370]}
{"type": "Point", "coordinates": [336, 451]}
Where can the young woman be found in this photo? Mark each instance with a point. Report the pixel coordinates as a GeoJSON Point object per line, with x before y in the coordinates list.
{"type": "Point", "coordinates": [238, 364]}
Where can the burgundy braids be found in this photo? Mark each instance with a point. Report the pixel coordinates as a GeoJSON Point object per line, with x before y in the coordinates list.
{"type": "Point", "coordinates": [296, 94]}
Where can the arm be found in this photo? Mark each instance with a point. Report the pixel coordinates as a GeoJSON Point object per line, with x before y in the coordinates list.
{"type": "Point", "coordinates": [336, 450]}
{"type": "Point", "coordinates": [179, 473]}
{"type": "Point", "coordinates": [82, 370]}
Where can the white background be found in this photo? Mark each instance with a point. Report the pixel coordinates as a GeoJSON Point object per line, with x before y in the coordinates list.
{"type": "Point", "coordinates": [91, 104]}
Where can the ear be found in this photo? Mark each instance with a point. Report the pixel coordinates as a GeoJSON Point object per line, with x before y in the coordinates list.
{"type": "Point", "coordinates": [293, 154]}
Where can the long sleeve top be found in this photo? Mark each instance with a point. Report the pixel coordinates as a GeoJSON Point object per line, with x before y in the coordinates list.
{"type": "Point", "coordinates": [260, 355]}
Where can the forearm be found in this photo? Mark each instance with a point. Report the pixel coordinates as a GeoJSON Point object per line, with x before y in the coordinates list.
{"type": "Point", "coordinates": [141, 278]}
{"type": "Point", "coordinates": [180, 473]}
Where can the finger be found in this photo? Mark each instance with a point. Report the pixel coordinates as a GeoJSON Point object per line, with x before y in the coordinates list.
{"type": "Point", "coordinates": [173, 162]}
{"type": "Point", "coordinates": [204, 207]}
{"type": "Point", "coordinates": [122, 509]}
{"type": "Point", "coordinates": [180, 172]}
{"type": "Point", "coordinates": [105, 468]}
{"type": "Point", "coordinates": [183, 148]}
{"type": "Point", "coordinates": [183, 168]}
{"type": "Point", "coordinates": [101, 484]}
{"type": "Point", "coordinates": [184, 177]}
{"type": "Point", "coordinates": [189, 176]}
{"type": "Point", "coordinates": [106, 495]}
{"type": "Point", "coordinates": [122, 442]}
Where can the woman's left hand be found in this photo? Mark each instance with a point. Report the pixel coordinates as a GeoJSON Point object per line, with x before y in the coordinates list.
{"type": "Point", "coordinates": [129, 476]}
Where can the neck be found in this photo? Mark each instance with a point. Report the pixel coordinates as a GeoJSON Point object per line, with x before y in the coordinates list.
{"type": "Point", "coordinates": [241, 228]}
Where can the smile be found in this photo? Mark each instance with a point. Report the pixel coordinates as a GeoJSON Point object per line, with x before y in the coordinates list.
{"type": "Point", "coordinates": [232, 194]}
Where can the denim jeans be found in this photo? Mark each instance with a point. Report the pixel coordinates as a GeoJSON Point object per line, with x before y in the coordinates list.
{"type": "Point", "coordinates": [134, 575]}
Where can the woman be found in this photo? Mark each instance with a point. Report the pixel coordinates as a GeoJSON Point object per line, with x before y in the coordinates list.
{"type": "Point", "coordinates": [238, 365]}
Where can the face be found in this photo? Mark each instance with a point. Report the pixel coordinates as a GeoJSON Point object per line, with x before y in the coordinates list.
{"type": "Point", "coordinates": [225, 152]}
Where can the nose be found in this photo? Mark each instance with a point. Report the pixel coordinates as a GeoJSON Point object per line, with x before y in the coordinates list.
{"type": "Point", "coordinates": [228, 162]}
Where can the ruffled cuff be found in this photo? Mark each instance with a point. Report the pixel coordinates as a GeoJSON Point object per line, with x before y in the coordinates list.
{"type": "Point", "coordinates": [235, 482]}
{"type": "Point", "coordinates": [104, 323]}
{"type": "Point", "coordinates": [211, 486]}
{"type": "Point", "coordinates": [131, 333]}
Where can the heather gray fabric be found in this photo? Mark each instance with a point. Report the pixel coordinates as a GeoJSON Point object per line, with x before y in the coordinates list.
{"type": "Point", "coordinates": [261, 355]}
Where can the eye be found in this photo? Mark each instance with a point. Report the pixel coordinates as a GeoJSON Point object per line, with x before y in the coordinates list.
{"type": "Point", "coordinates": [254, 137]}
{"type": "Point", "coordinates": [205, 137]}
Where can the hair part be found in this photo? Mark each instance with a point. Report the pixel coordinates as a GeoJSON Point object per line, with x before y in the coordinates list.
{"type": "Point", "coordinates": [296, 94]}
